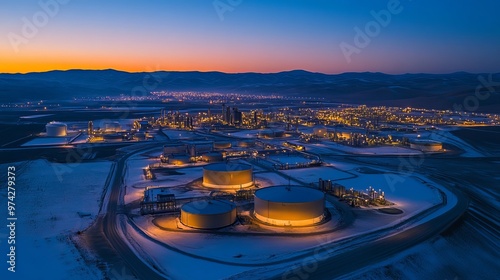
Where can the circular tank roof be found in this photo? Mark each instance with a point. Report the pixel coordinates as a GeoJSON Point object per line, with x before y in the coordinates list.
{"type": "Point", "coordinates": [227, 167]}
{"type": "Point", "coordinates": [289, 194]}
{"type": "Point", "coordinates": [56, 124]}
{"type": "Point", "coordinates": [425, 142]}
{"type": "Point", "coordinates": [208, 207]}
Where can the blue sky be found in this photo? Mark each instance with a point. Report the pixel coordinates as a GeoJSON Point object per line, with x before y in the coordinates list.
{"type": "Point", "coordinates": [251, 36]}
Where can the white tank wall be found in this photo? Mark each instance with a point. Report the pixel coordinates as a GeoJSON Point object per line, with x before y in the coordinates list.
{"type": "Point", "coordinates": [289, 213]}
{"type": "Point", "coordinates": [227, 179]}
{"type": "Point", "coordinates": [203, 221]}
{"type": "Point", "coordinates": [56, 129]}
{"type": "Point", "coordinates": [426, 147]}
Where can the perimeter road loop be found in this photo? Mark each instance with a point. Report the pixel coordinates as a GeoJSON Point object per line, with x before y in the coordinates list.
{"type": "Point", "coordinates": [334, 266]}
{"type": "Point", "coordinates": [110, 226]}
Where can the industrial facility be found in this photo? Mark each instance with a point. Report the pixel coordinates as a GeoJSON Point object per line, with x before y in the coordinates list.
{"type": "Point", "coordinates": [208, 214]}
{"type": "Point", "coordinates": [228, 176]}
{"type": "Point", "coordinates": [289, 206]}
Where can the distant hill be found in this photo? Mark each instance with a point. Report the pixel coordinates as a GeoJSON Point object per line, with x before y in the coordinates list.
{"type": "Point", "coordinates": [440, 91]}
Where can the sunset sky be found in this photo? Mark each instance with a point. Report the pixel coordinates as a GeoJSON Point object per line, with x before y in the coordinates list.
{"type": "Point", "coordinates": [249, 36]}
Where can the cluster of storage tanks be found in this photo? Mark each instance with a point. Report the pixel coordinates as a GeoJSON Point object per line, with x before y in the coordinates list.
{"type": "Point", "coordinates": [276, 205]}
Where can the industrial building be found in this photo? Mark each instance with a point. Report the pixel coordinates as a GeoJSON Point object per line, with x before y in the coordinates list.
{"type": "Point", "coordinates": [56, 129]}
{"type": "Point", "coordinates": [112, 127]}
{"type": "Point", "coordinates": [320, 132]}
{"type": "Point", "coordinates": [426, 145]}
{"type": "Point", "coordinates": [196, 148]}
{"type": "Point", "coordinates": [212, 157]}
{"type": "Point", "coordinates": [178, 159]}
{"type": "Point", "coordinates": [289, 205]}
{"type": "Point", "coordinates": [208, 214]}
{"type": "Point", "coordinates": [174, 148]}
{"type": "Point", "coordinates": [228, 175]}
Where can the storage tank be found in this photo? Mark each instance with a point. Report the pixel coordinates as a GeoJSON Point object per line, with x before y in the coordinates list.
{"type": "Point", "coordinates": [228, 175]}
{"type": "Point", "coordinates": [222, 145]}
{"type": "Point", "coordinates": [208, 214]}
{"type": "Point", "coordinates": [289, 205]}
{"type": "Point", "coordinates": [426, 145]}
{"type": "Point", "coordinates": [56, 129]}
{"type": "Point", "coordinates": [114, 137]}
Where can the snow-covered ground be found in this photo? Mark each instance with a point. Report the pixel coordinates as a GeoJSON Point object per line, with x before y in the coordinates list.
{"type": "Point", "coordinates": [445, 136]}
{"type": "Point", "coordinates": [288, 159]}
{"type": "Point", "coordinates": [383, 150]}
{"type": "Point", "coordinates": [53, 203]}
{"type": "Point", "coordinates": [47, 141]}
{"type": "Point", "coordinates": [312, 174]}
{"type": "Point", "coordinates": [250, 134]}
{"type": "Point", "coordinates": [174, 134]}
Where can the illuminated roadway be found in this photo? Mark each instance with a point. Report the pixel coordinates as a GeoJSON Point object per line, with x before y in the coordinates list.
{"type": "Point", "coordinates": [108, 226]}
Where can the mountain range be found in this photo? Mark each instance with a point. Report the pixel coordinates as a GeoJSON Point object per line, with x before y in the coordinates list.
{"type": "Point", "coordinates": [439, 91]}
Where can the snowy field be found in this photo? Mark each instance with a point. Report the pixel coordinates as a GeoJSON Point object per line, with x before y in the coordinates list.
{"type": "Point", "coordinates": [288, 159]}
{"type": "Point", "coordinates": [250, 134]}
{"type": "Point", "coordinates": [42, 141]}
{"type": "Point", "coordinates": [408, 193]}
{"type": "Point", "coordinates": [383, 150]}
{"type": "Point", "coordinates": [174, 134]}
{"type": "Point", "coordinates": [53, 203]}
{"type": "Point", "coordinates": [312, 174]}
{"type": "Point", "coordinates": [266, 179]}
{"type": "Point", "coordinates": [446, 137]}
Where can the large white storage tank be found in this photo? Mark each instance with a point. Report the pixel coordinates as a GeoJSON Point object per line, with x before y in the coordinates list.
{"type": "Point", "coordinates": [208, 214]}
{"type": "Point", "coordinates": [228, 175]}
{"type": "Point", "coordinates": [289, 205]}
{"type": "Point", "coordinates": [56, 129]}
